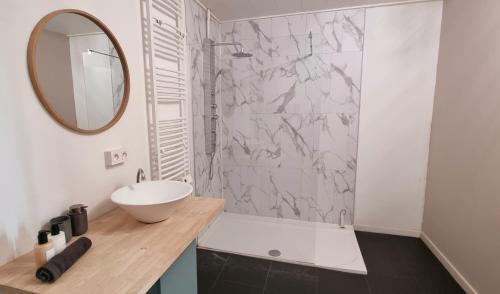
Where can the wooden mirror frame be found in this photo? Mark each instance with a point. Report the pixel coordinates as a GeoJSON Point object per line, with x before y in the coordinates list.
{"type": "Point", "coordinates": [32, 69]}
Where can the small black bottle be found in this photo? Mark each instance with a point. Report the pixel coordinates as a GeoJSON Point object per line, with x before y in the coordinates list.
{"type": "Point", "coordinates": [79, 222]}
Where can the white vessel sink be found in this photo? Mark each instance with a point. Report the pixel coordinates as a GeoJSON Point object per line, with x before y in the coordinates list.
{"type": "Point", "coordinates": [153, 201]}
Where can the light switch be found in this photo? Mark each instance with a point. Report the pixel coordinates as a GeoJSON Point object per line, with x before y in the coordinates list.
{"type": "Point", "coordinates": [115, 156]}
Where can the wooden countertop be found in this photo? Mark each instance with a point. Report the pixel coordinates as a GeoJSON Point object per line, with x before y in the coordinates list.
{"type": "Point", "coordinates": [126, 256]}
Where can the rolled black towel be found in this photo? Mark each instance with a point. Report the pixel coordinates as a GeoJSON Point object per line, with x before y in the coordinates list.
{"type": "Point", "coordinates": [60, 263]}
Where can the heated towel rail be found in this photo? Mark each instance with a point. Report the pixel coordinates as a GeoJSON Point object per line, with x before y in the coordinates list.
{"type": "Point", "coordinates": [164, 44]}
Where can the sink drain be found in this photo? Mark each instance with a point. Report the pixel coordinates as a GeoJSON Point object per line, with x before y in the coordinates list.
{"type": "Point", "coordinates": [274, 253]}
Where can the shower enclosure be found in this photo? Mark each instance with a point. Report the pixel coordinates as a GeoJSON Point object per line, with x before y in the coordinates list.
{"type": "Point", "coordinates": [275, 121]}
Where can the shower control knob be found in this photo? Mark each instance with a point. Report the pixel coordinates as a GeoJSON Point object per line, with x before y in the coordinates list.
{"type": "Point", "coordinates": [215, 116]}
{"type": "Point", "coordinates": [213, 105]}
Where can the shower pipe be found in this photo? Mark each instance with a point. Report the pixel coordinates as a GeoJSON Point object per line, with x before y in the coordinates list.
{"type": "Point", "coordinates": [102, 53]}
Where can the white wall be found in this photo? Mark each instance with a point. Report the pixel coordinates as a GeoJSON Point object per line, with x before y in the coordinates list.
{"type": "Point", "coordinates": [399, 72]}
{"type": "Point", "coordinates": [462, 205]}
{"type": "Point", "coordinates": [53, 56]}
{"type": "Point", "coordinates": [44, 167]}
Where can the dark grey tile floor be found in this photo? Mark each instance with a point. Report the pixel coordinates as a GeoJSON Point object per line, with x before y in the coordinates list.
{"type": "Point", "coordinates": [396, 265]}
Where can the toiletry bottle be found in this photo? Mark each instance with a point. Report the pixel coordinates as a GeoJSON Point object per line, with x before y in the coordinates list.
{"type": "Point", "coordinates": [79, 222]}
{"type": "Point", "coordinates": [58, 238]}
{"type": "Point", "coordinates": [44, 250]}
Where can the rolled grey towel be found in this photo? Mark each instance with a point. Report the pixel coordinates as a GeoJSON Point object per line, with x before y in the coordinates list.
{"type": "Point", "coordinates": [57, 265]}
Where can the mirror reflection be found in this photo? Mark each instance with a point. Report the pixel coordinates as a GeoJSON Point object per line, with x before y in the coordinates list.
{"type": "Point", "coordinates": [79, 71]}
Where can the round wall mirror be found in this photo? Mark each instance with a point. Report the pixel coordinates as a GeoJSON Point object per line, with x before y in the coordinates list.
{"type": "Point", "coordinates": [78, 71]}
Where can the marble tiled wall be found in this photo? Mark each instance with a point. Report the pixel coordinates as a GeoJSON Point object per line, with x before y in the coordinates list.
{"type": "Point", "coordinates": [289, 118]}
{"type": "Point", "coordinates": [196, 32]}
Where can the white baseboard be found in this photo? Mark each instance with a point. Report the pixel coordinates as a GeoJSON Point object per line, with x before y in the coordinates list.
{"type": "Point", "coordinates": [448, 265]}
{"type": "Point", "coordinates": [385, 230]}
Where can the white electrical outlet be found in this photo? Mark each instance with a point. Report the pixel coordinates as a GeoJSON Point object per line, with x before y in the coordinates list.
{"type": "Point", "coordinates": [115, 156]}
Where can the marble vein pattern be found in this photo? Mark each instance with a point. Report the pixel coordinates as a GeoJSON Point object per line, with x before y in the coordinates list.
{"type": "Point", "coordinates": [196, 34]}
{"type": "Point", "coordinates": [290, 116]}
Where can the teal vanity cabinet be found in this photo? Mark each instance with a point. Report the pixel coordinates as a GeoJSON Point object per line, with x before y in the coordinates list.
{"type": "Point", "coordinates": [181, 277]}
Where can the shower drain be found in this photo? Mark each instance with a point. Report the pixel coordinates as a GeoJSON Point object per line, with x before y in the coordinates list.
{"type": "Point", "coordinates": [274, 253]}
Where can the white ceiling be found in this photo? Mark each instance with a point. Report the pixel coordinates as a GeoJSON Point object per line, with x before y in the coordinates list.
{"type": "Point", "coordinates": [72, 24]}
{"type": "Point", "coordinates": [238, 9]}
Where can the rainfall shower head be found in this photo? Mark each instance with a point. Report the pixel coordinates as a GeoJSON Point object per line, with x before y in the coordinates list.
{"type": "Point", "coordinates": [242, 54]}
